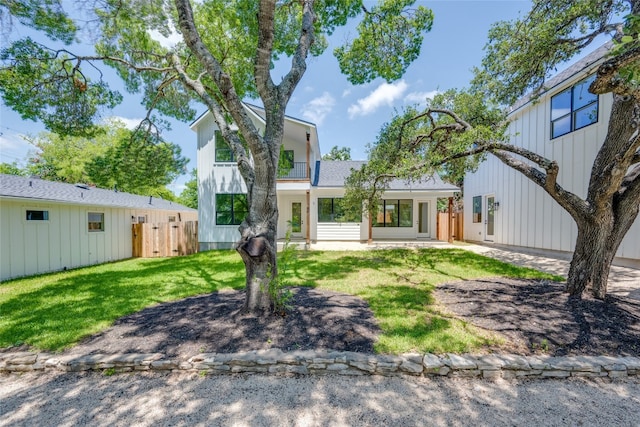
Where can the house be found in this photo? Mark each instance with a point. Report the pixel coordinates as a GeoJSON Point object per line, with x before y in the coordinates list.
{"type": "Point", "coordinates": [308, 195]}
{"type": "Point", "coordinates": [567, 124]}
{"type": "Point", "coordinates": [48, 226]}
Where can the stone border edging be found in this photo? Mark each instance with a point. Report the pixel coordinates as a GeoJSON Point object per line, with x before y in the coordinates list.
{"type": "Point", "coordinates": [322, 362]}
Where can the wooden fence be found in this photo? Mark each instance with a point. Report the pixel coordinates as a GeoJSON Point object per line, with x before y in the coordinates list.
{"type": "Point", "coordinates": [165, 239]}
{"type": "Point", "coordinates": [457, 222]}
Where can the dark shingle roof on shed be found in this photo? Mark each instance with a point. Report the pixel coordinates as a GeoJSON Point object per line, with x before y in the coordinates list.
{"type": "Point", "coordinates": [333, 174]}
{"type": "Point", "coordinates": [41, 190]}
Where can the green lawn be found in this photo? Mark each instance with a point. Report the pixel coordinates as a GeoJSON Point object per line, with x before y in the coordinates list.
{"type": "Point", "coordinates": [54, 311]}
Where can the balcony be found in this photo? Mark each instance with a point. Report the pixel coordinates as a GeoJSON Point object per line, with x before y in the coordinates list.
{"type": "Point", "coordinates": [299, 171]}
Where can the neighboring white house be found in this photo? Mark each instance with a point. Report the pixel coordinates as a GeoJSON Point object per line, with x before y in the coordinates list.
{"type": "Point", "coordinates": [48, 226]}
{"type": "Point", "coordinates": [566, 124]}
{"type": "Point", "coordinates": [308, 196]}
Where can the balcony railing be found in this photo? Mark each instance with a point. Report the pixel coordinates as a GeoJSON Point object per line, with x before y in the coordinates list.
{"type": "Point", "coordinates": [298, 171]}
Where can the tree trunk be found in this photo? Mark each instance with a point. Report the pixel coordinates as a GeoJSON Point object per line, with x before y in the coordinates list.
{"type": "Point", "coordinates": [591, 260]}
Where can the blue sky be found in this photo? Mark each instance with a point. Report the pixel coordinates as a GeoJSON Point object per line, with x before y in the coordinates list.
{"type": "Point", "coordinates": [346, 115]}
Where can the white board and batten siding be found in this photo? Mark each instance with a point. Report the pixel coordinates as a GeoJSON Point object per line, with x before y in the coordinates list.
{"type": "Point", "coordinates": [64, 240]}
{"type": "Point", "coordinates": [337, 231]}
{"type": "Point", "coordinates": [527, 215]}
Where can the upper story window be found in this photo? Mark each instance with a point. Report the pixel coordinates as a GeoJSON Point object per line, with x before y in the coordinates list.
{"type": "Point", "coordinates": [223, 149]}
{"type": "Point", "coordinates": [573, 108]}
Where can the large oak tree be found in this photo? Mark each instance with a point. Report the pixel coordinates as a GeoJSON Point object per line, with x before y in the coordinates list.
{"type": "Point", "coordinates": [227, 51]}
{"type": "Point", "coordinates": [458, 128]}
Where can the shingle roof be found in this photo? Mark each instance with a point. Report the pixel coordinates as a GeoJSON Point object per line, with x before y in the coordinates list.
{"type": "Point", "coordinates": [40, 190]}
{"type": "Point", "coordinates": [334, 173]}
{"type": "Point", "coordinates": [580, 65]}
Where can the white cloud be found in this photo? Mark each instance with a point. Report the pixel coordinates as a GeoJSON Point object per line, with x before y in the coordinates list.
{"type": "Point", "coordinates": [346, 93]}
{"type": "Point", "coordinates": [168, 42]}
{"type": "Point", "coordinates": [419, 97]}
{"type": "Point", "coordinates": [128, 123]}
{"type": "Point", "coordinates": [318, 108]}
{"type": "Point", "coordinates": [385, 94]}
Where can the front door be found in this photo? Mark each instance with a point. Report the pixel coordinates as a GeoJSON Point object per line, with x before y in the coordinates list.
{"type": "Point", "coordinates": [296, 219]}
{"type": "Point", "coordinates": [423, 220]}
{"type": "Point", "coordinates": [489, 218]}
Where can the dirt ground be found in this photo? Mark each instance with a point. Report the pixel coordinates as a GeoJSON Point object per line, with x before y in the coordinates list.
{"type": "Point", "coordinates": [534, 317]}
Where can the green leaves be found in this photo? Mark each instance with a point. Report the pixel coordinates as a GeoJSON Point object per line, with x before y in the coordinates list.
{"type": "Point", "coordinates": [417, 144]}
{"type": "Point", "coordinates": [44, 15]}
{"type": "Point", "coordinates": [42, 84]}
{"type": "Point", "coordinates": [389, 39]}
{"type": "Point", "coordinates": [522, 53]}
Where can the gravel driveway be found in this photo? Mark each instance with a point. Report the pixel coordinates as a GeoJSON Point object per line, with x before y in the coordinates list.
{"type": "Point", "coordinates": [146, 399]}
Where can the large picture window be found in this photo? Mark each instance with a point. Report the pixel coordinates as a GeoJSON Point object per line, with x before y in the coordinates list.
{"type": "Point", "coordinates": [394, 213]}
{"type": "Point", "coordinates": [332, 210]}
{"type": "Point", "coordinates": [573, 108]}
{"type": "Point", "coordinates": [477, 208]}
{"type": "Point", "coordinates": [231, 209]}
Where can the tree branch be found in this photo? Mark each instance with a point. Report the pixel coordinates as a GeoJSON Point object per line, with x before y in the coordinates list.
{"type": "Point", "coordinates": [244, 162]}
{"type": "Point", "coordinates": [221, 79]}
{"type": "Point", "coordinates": [298, 62]}
{"type": "Point", "coordinates": [607, 79]}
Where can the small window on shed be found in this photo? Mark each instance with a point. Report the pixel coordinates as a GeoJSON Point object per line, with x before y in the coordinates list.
{"type": "Point", "coordinates": [33, 215]}
{"type": "Point", "coordinates": [142, 219]}
{"type": "Point", "coordinates": [95, 221]}
{"type": "Point", "coordinates": [172, 218]}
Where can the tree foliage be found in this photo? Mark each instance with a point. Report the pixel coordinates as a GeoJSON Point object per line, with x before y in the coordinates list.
{"type": "Point", "coordinates": [115, 157]}
{"type": "Point", "coordinates": [189, 196]}
{"type": "Point", "coordinates": [12, 169]}
{"type": "Point", "coordinates": [338, 153]}
{"type": "Point", "coordinates": [460, 126]}
{"type": "Point", "coordinates": [227, 52]}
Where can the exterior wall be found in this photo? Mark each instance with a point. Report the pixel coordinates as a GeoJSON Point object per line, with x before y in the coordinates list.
{"type": "Point", "coordinates": [410, 232]}
{"type": "Point", "coordinates": [217, 178]}
{"type": "Point", "coordinates": [64, 242]}
{"type": "Point", "coordinates": [527, 215]}
{"type": "Point", "coordinates": [336, 231]}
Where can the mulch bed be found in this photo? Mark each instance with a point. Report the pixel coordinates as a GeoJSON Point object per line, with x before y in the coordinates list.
{"type": "Point", "coordinates": [534, 316]}
{"type": "Point", "coordinates": [214, 323]}
{"type": "Point", "coordinates": [537, 317]}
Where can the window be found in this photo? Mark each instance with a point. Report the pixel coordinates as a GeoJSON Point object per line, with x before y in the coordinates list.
{"type": "Point", "coordinates": [332, 210]}
{"type": "Point", "coordinates": [223, 149]}
{"type": "Point", "coordinates": [573, 108]}
{"type": "Point", "coordinates": [394, 213]}
{"type": "Point", "coordinates": [477, 208]}
{"type": "Point", "coordinates": [96, 221]}
{"type": "Point", "coordinates": [142, 219]}
{"type": "Point", "coordinates": [231, 209]}
{"type": "Point", "coordinates": [172, 218]}
{"type": "Point", "coordinates": [37, 215]}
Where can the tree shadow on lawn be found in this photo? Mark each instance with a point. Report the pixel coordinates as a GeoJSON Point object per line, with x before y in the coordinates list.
{"type": "Point", "coordinates": [83, 301]}
{"type": "Point", "coordinates": [537, 316]}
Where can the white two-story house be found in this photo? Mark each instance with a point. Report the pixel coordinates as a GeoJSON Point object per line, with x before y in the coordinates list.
{"type": "Point", "coordinates": [566, 124]}
{"type": "Point", "coordinates": [309, 194]}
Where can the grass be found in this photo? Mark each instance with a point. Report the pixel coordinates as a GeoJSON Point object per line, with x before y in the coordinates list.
{"type": "Point", "coordinates": [54, 311]}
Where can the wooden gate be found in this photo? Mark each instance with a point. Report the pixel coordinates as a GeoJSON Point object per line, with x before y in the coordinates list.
{"type": "Point", "coordinates": [165, 239]}
{"type": "Point", "coordinates": [457, 224]}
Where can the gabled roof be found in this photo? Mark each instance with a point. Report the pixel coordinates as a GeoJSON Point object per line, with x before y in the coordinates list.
{"type": "Point", "coordinates": [585, 64]}
{"type": "Point", "coordinates": [40, 190]}
{"type": "Point", "coordinates": [334, 173]}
